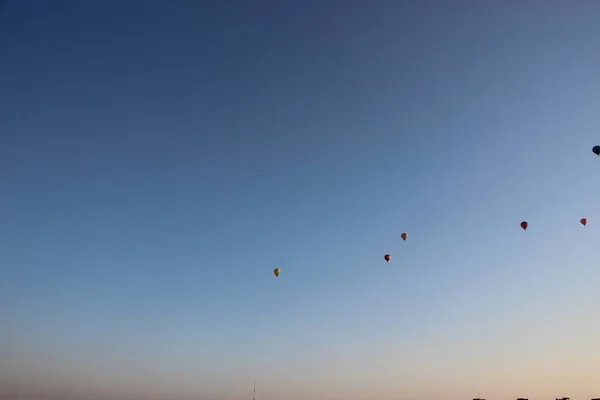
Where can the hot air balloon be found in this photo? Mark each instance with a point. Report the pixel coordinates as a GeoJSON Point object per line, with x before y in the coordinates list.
{"type": "Point", "coordinates": [524, 225]}
{"type": "Point", "coordinates": [596, 150]}
{"type": "Point", "coordinates": [276, 271]}
{"type": "Point", "coordinates": [387, 257]}
{"type": "Point", "coordinates": [583, 221]}
{"type": "Point", "coordinates": [404, 236]}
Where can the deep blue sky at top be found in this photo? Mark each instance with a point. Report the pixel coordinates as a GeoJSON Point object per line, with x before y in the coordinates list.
{"type": "Point", "coordinates": [157, 161]}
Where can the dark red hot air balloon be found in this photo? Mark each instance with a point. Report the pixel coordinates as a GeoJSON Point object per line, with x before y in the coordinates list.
{"type": "Point", "coordinates": [583, 221]}
{"type": "Point", "coordinates": [387, 257]}
{"type": "Point", "coordinates": [404, 236]}
{"type": "Point", "coordinates": [524, 225]}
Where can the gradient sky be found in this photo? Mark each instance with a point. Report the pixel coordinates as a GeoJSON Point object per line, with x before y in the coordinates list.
{"type": "Point", "coordinates": [157, 162]}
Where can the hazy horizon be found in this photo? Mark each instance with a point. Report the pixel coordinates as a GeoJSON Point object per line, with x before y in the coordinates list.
{"type": "Point", "coordinates": [158, 161]}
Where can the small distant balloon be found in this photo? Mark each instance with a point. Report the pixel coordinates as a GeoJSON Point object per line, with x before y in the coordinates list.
{"type": "Point", "coordinates": [524, 225]}
{"type": "Point", "coordinates": [583, 221]}
{"type": "Point", "coordinates": [596, 150]}
{"type": "Point", "coordinates": [276, 271]}
{"type": "Point", "coordinates": [404, 236]}
{"type": "Point", "coordinates": [387, 257]}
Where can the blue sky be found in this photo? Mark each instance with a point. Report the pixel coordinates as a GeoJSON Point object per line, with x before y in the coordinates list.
{"type": "Point", "coordinates": [158, 162]}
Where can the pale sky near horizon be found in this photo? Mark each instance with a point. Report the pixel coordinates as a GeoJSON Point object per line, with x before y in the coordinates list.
{"type": "Point", "coordinates": [158, 161]}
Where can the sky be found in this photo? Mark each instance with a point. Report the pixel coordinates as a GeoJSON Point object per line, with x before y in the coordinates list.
{"type": "Point", "coordinates": [158, 161]}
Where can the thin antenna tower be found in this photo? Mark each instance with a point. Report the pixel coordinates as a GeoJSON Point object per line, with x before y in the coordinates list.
{"type": "Point", "coordinates": [254, 394]}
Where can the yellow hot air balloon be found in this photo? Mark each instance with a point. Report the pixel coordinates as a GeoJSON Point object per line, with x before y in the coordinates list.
{"type": "Point", "coordinates": [276, 271]}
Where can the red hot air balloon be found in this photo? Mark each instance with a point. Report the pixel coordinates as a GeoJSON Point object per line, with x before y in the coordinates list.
{"type": "Point", "coordinates": [524, 225]}
{"type": "Point", "coordinates": [387, 257]}
{"type": "Point", "coordinates": [404, 236]}
{"type": "Point", "coordinates": [583, 221]}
